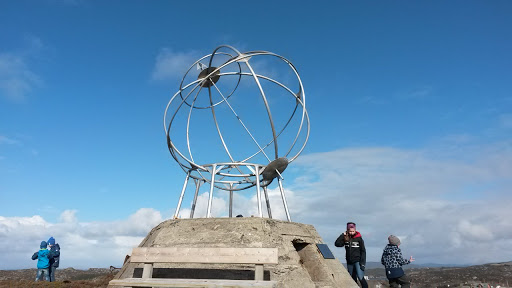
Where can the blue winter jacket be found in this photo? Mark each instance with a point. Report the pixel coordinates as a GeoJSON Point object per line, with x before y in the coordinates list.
{"type": "Point", "coordinates": [43, 258]}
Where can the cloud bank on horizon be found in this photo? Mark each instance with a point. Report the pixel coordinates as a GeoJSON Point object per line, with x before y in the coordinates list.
{"type": "Point", "coordinates": [431, 203]}
{"type": "Point", "coordinates": [442, 207]}
{"type": "Point", "coordinates": [83, 244]}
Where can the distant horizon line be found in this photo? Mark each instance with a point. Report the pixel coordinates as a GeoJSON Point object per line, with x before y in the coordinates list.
{"type": "Point", "coordinates": [422, 265]}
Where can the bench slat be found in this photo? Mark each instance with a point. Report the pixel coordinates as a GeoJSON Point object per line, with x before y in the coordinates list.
{"type": "Point", "coordinates": [192, 283]}
{"type": "Point", "coordinates": [204, 255]}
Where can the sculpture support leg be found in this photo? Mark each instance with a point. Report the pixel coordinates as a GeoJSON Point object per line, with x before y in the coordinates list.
{"type": "Point", "coordinates": [258, 192]}
{"type": "Point", "coordinates": [198, 184]}
{"type": "Point", "coordinates": [268, 202]}
{"type": "Point", "coordinates": [230, 200]}
{"type": "Point", "coordinates": [181, 196]}
{"type": "Point", "coordinates": [284, 199]}
{"type": "Point", "coordinates": [212, 185]}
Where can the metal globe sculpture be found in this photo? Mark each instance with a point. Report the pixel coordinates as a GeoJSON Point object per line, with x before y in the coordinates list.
{"type": "Point", "coordinates": [236, 122]}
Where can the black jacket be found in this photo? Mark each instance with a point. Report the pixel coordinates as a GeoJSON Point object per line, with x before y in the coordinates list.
{"type": "Point", "coordinates": [354, 248]}
{"type": "Point", "coordinates": [55, 250]}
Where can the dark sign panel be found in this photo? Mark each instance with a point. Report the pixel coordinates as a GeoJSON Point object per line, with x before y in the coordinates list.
{"type": "Point", "coordinates": [326, 252]}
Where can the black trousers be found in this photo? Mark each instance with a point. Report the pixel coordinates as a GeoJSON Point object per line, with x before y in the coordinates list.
{"type": "Point", "coordinates": [52, 273]}
{"type": "Point", "coordinates": [403, 282]}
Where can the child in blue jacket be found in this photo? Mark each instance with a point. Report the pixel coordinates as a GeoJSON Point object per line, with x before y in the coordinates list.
{"type": "Point", "coordinates": [43, 257]}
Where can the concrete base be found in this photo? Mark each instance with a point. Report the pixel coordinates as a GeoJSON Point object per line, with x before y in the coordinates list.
{"type": "Point", "coordinates": [300, 262]}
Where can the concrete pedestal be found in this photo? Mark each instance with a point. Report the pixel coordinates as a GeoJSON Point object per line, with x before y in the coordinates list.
{"type": "Point", "coordinates": [300, 265]}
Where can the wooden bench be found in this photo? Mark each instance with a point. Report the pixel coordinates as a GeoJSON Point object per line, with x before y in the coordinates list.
{"type": "Point", "coordinates": [149, 256]}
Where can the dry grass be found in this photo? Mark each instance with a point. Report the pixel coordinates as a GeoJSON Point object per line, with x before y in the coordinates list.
{"type": "Point", "coordinates": [96, 283]}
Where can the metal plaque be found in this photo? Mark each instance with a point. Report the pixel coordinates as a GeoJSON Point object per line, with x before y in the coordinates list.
{"type": "Point", "coordinates": [326, 252]}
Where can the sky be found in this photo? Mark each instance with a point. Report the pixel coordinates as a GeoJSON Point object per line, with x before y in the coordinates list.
{"type": "Point", "coordinates": [410, 104]}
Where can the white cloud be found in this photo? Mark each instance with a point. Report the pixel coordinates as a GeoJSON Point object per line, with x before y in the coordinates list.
{"type": "Point", "coordinates": [218, 209]}
{"type": "Point", "coordinates": [69, 2]}
{"type": "Point", "coordinates": [83, 244]}
{"type": "Point", "coordinates": [172, 65]}
{"type": "Point", "coordinates": [7, 140]}
{"type": "Point", "coordinates": [68, 216]}
{"type": "Point", "coordinates": [33, 45]}
{"type": "Point", "coordinates": [244, 203]}
{"type": "Point", "coordinates": [420, 92]}
{"type": "Point", "coordinates": [443, 207]}
{"type": "Point", "coordinates": [16, 78]}
{"type": "Point", "coordinates": [506, 120]}
{"type": "Point", "coordinates": [474, 231]}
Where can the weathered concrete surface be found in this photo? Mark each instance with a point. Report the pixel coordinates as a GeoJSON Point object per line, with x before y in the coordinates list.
{"type": "Point", "coordinates": [300, 262]}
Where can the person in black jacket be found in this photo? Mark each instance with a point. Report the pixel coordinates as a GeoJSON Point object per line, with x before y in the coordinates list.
{"type": "Point", "coordinates": [392, 260]}
{"type": "Point", "coordinates": [55, 259]}
{"type": "Point", "coordinates": [355, 252]}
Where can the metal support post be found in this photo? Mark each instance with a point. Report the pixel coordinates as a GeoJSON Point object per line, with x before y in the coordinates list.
{"type": "Point", "coordinates": [181, 196]}
{"type": "Point", "coordinates": [284, 199]}
{"type": "Point", "coordinates": [198, 185]}
{"type": "Point", "coordinates": [258, 192]}
{"type": "Point", "coordinates": [212, 185]}
{"type": "Point", "coordinates": [268, 202]}
{"type": "Point", "coordinates": [230, 200]}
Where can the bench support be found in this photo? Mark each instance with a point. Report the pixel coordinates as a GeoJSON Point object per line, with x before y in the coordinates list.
{"type": "Point", "coordinates": [191, 283]}
{"type": "Point", "coordinates": [211, 255]}
{"type": "Point", "coordinates": [147, 272]}
{"type": "Point", "coordinates": [258, 273]}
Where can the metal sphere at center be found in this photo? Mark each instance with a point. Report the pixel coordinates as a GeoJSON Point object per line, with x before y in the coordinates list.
{"type": "Point", "coordinates": [217, 93]}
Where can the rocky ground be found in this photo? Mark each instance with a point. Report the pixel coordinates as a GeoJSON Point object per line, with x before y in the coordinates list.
{"type": "Point", "coordinates": [493, 274]}
{"type": "Point", "coordinates": [68, 277]}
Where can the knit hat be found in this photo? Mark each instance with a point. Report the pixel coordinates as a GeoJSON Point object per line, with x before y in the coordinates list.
{"type": "Point", "coordinates": [51, 241]}
{"type": "Point", "coordinates": [43, 245]}
{"type": "Point", "coordinates": [351, 225]}
{"type": "Point", "coordinates": [393, 240]}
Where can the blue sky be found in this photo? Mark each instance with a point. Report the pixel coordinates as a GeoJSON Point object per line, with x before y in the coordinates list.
{"type": "Point", "coordinates": [410, 106]}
